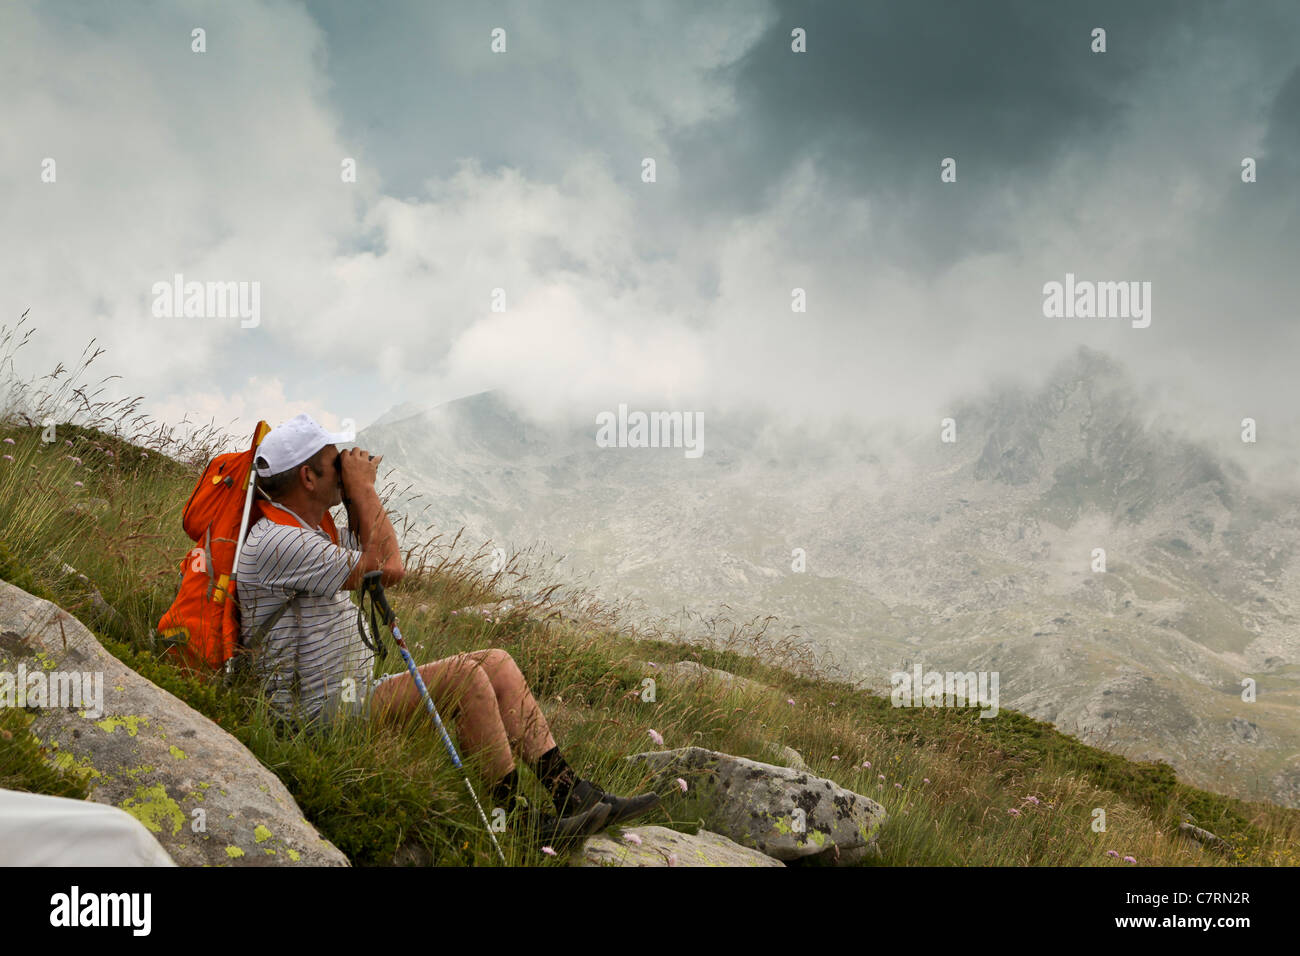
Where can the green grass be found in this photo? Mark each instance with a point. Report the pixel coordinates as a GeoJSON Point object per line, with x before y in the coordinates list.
{"type": "Point", "coordinates": [950, 777]}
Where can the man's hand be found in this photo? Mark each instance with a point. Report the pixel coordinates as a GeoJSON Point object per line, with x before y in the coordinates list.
{"type": "Point", "coordinates": [359, 469]}
{"type": "Point", "coordinates": [368, 520]}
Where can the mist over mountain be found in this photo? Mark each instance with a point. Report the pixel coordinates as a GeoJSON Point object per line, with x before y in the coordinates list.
{"type": "Point", "coordinates": [974, 554]}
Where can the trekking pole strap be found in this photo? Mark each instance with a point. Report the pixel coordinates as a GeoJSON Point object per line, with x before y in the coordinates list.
{"type": "Point", "coordinates": [372, 584]}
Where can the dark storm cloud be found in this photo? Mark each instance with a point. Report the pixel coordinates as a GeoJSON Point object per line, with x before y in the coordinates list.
{"type": "Point", "coordinates": [887, 90]}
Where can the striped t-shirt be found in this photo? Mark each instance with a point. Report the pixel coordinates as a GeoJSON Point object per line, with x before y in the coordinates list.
{"type": "Point", "coordinates": [314, 647]}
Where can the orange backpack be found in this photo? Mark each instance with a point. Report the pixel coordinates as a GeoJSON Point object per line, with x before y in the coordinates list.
{"type": "Point", "coordinates": [201, 628]}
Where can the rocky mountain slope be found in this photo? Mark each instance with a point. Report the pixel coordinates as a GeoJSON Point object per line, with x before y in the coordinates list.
{"type": "Point", "coordinates": [973, 555]}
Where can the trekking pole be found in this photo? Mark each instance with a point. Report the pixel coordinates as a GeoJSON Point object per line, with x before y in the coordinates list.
{"type": "Point", "coordinates": [372, 584]}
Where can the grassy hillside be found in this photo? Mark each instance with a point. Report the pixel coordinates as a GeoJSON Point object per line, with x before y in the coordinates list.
{"type": "Point", "coordinates": [959, 790]}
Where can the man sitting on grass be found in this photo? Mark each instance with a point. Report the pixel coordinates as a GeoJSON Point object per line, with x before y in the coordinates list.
{"type": "Point", "coordinates": [312, 648]}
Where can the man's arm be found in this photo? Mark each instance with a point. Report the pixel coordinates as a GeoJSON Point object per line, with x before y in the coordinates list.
{"type": "Point", "coordinates": [379, 547]}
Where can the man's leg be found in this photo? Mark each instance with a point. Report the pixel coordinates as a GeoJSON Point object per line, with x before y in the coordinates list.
{"type": "Point", "coordinates": [529, 733]}
{"type": "Point", "coordinates": [461, 689]}
{"type": "Point", "coordinates": [524, 721]}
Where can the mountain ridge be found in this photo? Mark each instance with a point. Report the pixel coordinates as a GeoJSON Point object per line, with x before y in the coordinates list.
{"type": "Point", "coordinates": [974, 554]}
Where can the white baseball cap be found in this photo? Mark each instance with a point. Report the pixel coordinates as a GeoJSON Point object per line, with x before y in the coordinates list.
{"type": "Point", "coordinates": [292, 443]}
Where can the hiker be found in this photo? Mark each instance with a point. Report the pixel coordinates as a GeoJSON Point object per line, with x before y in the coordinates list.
{"type": "Point", "coordinates": [319, 640]}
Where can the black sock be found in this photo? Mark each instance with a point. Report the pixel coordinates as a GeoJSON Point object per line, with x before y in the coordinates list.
{"type": "Point", "coordinates": [504, 789]}
{"type": "Point", "coordinates": [556, 776]}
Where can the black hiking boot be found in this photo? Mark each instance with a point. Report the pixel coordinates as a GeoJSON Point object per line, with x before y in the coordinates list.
{"type": "Point", "coordinates": [586, 795]}
{"type": "Point", "coordinates": [579, 823]}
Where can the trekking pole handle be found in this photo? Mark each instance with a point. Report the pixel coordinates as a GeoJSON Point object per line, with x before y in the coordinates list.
{"type": "Point", "coordinates": [372, 583]}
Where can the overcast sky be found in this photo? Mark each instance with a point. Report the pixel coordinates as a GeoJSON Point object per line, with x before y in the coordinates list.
{"type": "Point", "coordinates": [775, 169]}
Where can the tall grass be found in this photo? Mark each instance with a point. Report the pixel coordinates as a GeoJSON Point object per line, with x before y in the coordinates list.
{"type": "Point", "coordinates": [104, 498]}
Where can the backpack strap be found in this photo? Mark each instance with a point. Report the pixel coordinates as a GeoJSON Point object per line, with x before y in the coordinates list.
{"type": "Point", "coordinates": [259, 633]}
{"type": "Point", "coordinates": [239, 665]}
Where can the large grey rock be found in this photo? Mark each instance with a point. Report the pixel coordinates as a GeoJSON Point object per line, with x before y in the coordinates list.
{"type": "Point", "coordinates": [660, 846]}
{"type": "Point", "coordinates": [150, 754]}
{"type": "Point", "coordinates": [758, 805]}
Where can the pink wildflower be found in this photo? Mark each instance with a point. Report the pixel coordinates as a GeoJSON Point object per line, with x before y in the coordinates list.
{"type": "Point", "coordinates": [1113, 854]}
{"type": "Point", "coordinates": [9, 457]}
{"type": "Point", "coordinates": [1033, 800]}
{"type": "Point", "coordinates": [632, 838]}
{"type": "Point", "coordinates": [925, 779]}
{"type": "Point", "coordinates": [548, 851]}
{"type": "Point", "coordinates": [77, 484]}
{"type": "Point", "coordinates": [1129, 859]}
{"type": "Point", "coordinates": [681, 783]}
{"type": "Point", "coordinates": [9, 441]}
{"type": "Point", "coordinates": [790, 701]}
{"type": "Point", "coordinates": [835, 757]}
{"type": "Point", "coordinates": [1014, 812]}
{"type": "Point", "coordinates": [867, 764]}
{"type": "Point", "coordinates": [657, 737]}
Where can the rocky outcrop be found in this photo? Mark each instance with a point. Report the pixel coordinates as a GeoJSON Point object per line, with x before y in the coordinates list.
{"type": "Point", "coordinates": [197, 789]}
{"type": "Point", "coordinates": [659, 846]}
{"type": "Point", "coordinates": [97, 601]}
{"type": "Point", "coordinates": [787, 756]}
{"type": "Point", "coordinates": [700, 673]}
{"type": "Point", "coordinates": [783, 813]}
{"type": "Point", "coordinates": [1204, 837]}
